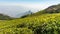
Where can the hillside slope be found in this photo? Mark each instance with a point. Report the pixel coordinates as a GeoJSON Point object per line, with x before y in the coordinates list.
{"type": "Point", "coordinates": [53, 9]}
{"type": "Point", "coordinates": [43, 24]}
{"type": "Point", "coordinates": [5, 17]}
{"type": "Point", "coordinates": [50, 10]}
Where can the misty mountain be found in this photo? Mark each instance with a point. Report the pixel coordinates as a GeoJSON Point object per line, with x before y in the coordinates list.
{"type": "Point", "coordinates": [13, 11]}
{"type": "Point", "coordinates": [24, 13]}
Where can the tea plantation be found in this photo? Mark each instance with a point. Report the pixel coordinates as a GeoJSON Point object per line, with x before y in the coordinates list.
{"type": "Point", "coordinates": [41, 24]}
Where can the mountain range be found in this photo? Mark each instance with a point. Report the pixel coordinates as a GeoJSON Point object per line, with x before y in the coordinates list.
{"type": "Point", "coordinates": [51, 9]}
{"type": "Point", "coordinates": [13, 11]}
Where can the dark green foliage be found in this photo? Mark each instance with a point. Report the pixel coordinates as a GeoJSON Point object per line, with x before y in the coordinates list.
{"type": "Point", "coordinates": [24, 16]}
{"type": "Point", "coordinates": [5, 17]}
{"type": "Point", "coordinates": [29, 13]}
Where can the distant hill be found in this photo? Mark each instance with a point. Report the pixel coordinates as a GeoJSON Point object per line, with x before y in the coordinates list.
{"type": "Point", "coordinates": [5, 17]}
{"type": "Point", "coordinates": [51, 9]}
{"type": "Point", "coordinates": [25, 14]}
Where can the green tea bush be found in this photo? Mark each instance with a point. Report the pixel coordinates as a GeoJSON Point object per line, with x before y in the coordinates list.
{"type": "Point", "coordinates": [17, 31]}
{"type": "Point", "coordinates": [43, 24]}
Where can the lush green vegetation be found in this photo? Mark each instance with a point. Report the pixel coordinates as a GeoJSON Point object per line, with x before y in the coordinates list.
{"type": "Point", "coordinates": [43, 24]}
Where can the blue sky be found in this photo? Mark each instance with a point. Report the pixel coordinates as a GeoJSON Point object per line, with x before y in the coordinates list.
{"type": "Point", "coordinates": [31, 1]}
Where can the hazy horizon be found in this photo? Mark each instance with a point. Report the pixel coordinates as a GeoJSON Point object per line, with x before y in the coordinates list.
{"type": "Point", "coordinates": [14, 7]}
